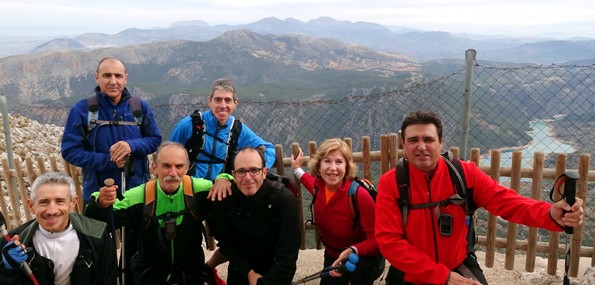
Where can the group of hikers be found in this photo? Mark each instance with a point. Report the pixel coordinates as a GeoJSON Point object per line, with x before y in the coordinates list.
{"type": "Point", "coordinates": [213, 172]}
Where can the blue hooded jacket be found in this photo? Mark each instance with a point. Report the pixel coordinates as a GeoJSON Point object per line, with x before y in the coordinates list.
{"type": "Point", "coordinates": [92, 154]}
{"type": "Point", "coordinates": [218, 147]}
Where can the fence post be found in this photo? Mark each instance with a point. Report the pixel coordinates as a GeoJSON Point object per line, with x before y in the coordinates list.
{"type": "Point", "coordinates": [470, 62]}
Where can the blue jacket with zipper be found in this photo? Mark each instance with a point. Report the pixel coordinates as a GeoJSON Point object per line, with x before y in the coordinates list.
{"type": "Point", "coordinates": [91, 152]}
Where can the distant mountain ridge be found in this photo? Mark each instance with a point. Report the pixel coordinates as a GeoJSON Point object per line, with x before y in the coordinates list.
{"type": "Point", "coordinates": [261, 64]}
{"type": "Point", "coordinates": [420, 45]}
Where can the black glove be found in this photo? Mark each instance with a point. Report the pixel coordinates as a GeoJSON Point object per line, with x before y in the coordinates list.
{"type": "Point", "coordinates": [13, 256]}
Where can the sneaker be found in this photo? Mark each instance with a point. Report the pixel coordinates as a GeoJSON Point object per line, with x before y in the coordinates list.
{"type": "Point", "coordinates": [213, 278]}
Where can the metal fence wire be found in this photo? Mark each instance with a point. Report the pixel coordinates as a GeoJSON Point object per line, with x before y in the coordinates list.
{"type": "Point", "coordinates": [535, 108]}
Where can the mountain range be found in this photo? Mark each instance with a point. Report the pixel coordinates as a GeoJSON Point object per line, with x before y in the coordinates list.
{"type": "Point", "coordinates": [419, 45]}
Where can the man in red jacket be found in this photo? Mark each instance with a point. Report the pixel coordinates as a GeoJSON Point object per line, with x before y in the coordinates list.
{"type": "Point", "coordinates": [420, 250]}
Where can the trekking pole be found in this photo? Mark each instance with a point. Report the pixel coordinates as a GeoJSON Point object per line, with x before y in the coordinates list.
{"type": "Point", "coordinates": [347, 265]}
{"type": "Point", "coordinates": [569, 196]}
{"type": "Point", "coordinates": [123, 229]}
{"type": "Point", "coordinates": [110, 182]}
{"type": "Point", "coordinates": [24, 266]}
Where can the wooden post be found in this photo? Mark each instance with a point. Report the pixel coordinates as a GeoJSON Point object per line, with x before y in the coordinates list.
{"type": "Point", "coordinates": [30, 170]}
{"type": "Point", "coordinates": [295, 149]}
{"type": "Point", "coordinates": [312, 148]}
{"type": "Point", "coordinates": [54, 164]}
{"type": "Point", "coordinates": [279, 165]}
{"type": "Point", "coordinates": [536, 185]}
{"type": "Point", "coordinates": [16, 206]}
{"type": "Point", "coordinates": [22, 189]}
{"type": "Point", "coordinates": [3, 205]}
{"type": "Point", "coordinates": [515, 184]}
{"type": "Point", "coordinates": [384, 154]}
{"type": "Point", "coordinates": [41, 165]}
{"type": "Point", "coordinates": [77, 187]}
{"type": "Point", "coordinates": [366, 158]}
{"type": "Point", "coordinates": [552, 254]}
{"type": "Point", "coordinates": [393, 142]}
{"type": "Point", "coordinates": [577, 236]}
{"type": "Point", "coordinates": [491, 234]}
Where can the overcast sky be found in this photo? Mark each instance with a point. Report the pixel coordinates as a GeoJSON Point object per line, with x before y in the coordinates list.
{"type": "Point", "coordinates": [568, 18]}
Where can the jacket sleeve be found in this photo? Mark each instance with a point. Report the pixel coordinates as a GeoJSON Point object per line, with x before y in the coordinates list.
{"type": "Point", "coordinates": [417, 265]}
{"type": "Point", "coordinates": [125, 212]}
{"type": "Point", "coordinates": [288, 242]}
{"type": "Point", "coordinates": [507, 203]}
{"type": "Point", "coordinates": [75, 148]}
{"type": "Point", "coordinates": [367, 208]}
{"type": "Point", "coordinates": [151, 137]}
{"type": "Point", "coordinates": [183, 131]}
{"type": "Point", "coordinates": [249, 139]}
{"type": "Point", "coordinates": [308, 181]}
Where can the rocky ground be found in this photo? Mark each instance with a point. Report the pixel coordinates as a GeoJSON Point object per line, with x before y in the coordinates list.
{"type": "Point", "coordinates": [310, 261]}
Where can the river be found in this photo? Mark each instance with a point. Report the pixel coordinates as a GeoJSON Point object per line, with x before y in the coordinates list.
{"type": "Point", "coordinates": [542, 140]}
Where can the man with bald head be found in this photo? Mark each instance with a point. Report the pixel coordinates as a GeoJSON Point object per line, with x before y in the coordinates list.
{"type": "Point", "coordinates": [170, 238]}
{"type": "Point", "coordinates": [257, 227]}
{"type": "Point", "coordinates": [102, 136]}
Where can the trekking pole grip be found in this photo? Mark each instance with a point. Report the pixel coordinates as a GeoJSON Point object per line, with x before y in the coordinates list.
{"type": "Point", "coordinates": [570, 193]}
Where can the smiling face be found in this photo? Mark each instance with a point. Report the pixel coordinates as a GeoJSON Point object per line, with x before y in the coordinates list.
{"type": "Point", "coordinates": [422, 146]}
{"type": "Point", "coordinates": [222, 103]}
{"type": "Point", "coordinates": [332, 169]}
{"type": "Point", "coordinates": [249, 171]}
{"type": "Point", "coordinates": [51, 205]}
{"type": "Point", "coordinates": [111, 77]}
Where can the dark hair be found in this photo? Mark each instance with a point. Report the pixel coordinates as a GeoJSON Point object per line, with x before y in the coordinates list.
{"type": "Point", "coordinates": [246, 149]}
{"type": "Point", "coordinates": [422, 118]}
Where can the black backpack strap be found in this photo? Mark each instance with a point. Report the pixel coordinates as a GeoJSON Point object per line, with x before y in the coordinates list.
{"type": "Point", "coordinates": [136, 108]}
{"type": "Point", "coordinates": [92, 110]}
{"type": "Point", "coordinates": [402, 173]}
{"type": "Point", "coordinates": [194, 144]}
{"type": "Point", "coordinates": [232, 145]}
{"type": "Point", "coordinates": [457, 176]}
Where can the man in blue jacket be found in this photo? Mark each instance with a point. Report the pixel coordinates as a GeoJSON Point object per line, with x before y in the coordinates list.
{"type": "Point", "coordinates": [217, 145]}
{"type": "Point", "coordinates": [108, 131]}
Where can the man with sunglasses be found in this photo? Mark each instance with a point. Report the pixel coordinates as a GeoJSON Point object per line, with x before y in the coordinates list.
{"type": "Point", "coordinates": [428, 245]}
{"type": "Point", "coordinates": [257, 227]}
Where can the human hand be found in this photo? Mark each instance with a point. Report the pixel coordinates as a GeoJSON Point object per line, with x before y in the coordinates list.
{"type": "Point", "coordinates": [253, 277]}
{"type": "Point", "coordinates": [457, 279]}
{"type": "Point", "coordinates": [119, 152]}
{"type": "Point", "coordinates": [572, 217]}
{"type": "Point", "coordinates": [298, 161]}
{"type": "Point", "coordinates": [13, 254]}
{"type": "Point", "coordinates": [107, 194]}
{"type": "Point", "coordinates": [220, 189]}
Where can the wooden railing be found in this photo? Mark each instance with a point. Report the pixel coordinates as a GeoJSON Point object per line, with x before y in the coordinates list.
{"type": "Point", "coordinates": [17, 181]}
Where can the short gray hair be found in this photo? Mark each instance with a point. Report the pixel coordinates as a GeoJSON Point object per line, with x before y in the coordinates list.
{"type": "Point", "coordinates": [225, 85]}
{"type": "Point", "coordinates": [56, 178]}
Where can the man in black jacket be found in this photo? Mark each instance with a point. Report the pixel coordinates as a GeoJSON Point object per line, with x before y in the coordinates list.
{"type": "Point", "coordinates": [257, 227]}
{"type": "Point", "coordinates": [62, 247]}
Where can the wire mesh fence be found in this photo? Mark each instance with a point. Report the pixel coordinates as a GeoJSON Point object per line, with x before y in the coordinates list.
{"type": "Point", "coordinates": [533, 108]}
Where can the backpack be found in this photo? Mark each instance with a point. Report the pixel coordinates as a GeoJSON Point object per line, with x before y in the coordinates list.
{"type": "Point", "coordinates": [353, 204]}
{"type": "Point", "coordinates": [286, 181]}
{"type": "Point", "coordinates": [93, 110]}
{"type": "Point", "coordinates": [457, 177]}
{"type": "Point", "coordinates": [352, 195]}
{"type": "Point", "coordinates": [195, 143]}
{"type": "Point", "coordinates": [189, 201]}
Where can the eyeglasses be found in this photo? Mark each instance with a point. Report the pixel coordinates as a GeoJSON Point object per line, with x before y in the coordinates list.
{"type": "Point", "coordinates": [242, 172]}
